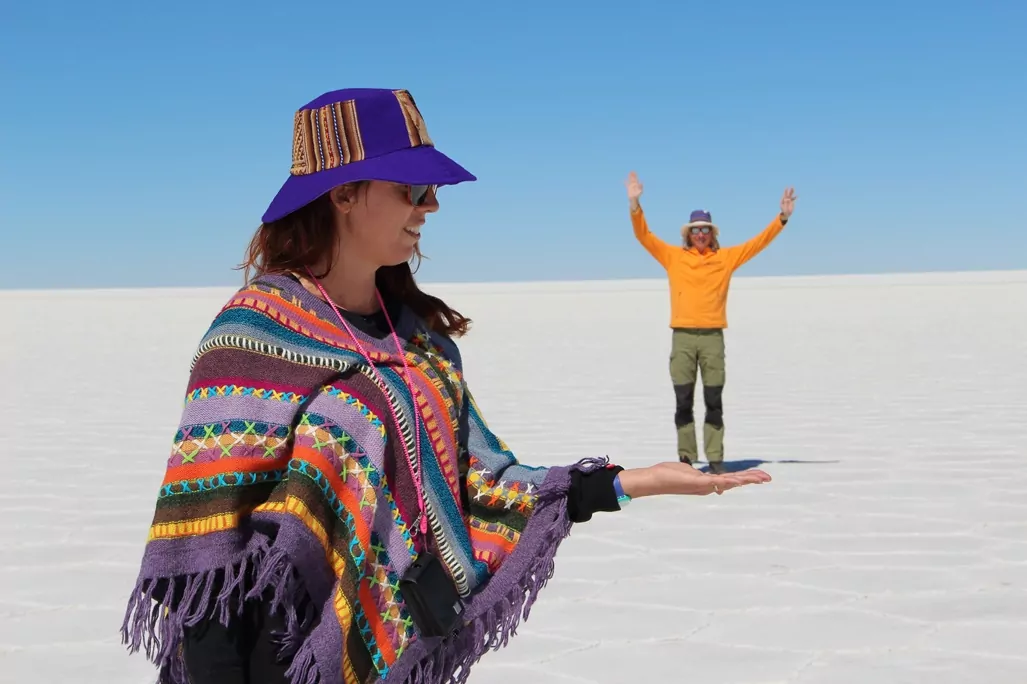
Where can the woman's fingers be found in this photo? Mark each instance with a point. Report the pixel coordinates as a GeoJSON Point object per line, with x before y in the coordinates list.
{"type": "Point", "coordinates": [722, 483]}
{"type": "Point", "coordinates": [751, 476]}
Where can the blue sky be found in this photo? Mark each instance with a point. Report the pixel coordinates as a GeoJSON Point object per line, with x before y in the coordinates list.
{"type": "Point", "coordinates": [140, 142]}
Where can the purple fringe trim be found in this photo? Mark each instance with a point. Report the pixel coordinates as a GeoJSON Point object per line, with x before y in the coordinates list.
{"type": "Point", "coordinates": [277, 571]}
{"type": "Point", "coordinates": [303, 668]}
{"type": "Point", "coordinates": [152, 625]}
{"type": "Point", "coordinates": [494, 615]}
{"type": "Point", "coordinates": [491, 618]}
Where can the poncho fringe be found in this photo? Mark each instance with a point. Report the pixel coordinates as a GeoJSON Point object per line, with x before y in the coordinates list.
{"type": "Point", "coordinates": [157, 627]}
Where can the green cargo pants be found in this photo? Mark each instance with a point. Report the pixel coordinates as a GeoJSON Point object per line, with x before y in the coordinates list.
{"type": "Point", "coordinates": [698, 353]}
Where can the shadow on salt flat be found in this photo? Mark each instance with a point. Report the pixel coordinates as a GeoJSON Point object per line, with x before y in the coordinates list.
{"type": "Point", "coordinates": [736, 466]}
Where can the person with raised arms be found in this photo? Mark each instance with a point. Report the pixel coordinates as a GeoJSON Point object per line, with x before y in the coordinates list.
{"type": "Point", "coordinates": [699, 274]}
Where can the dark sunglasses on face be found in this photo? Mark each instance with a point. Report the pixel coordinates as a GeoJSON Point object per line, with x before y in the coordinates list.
{"type": "Point", "coordinates": [705, 230]}
{"type": "Point", "coordinates": [418, 194]}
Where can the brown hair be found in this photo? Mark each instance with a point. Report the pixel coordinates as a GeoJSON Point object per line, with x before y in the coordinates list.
{"type": "Point", "coordinates": [303, 238]}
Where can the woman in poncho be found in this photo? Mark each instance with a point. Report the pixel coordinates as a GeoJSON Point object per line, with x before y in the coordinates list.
{"type": "Point", "coordinates": [335, 508]}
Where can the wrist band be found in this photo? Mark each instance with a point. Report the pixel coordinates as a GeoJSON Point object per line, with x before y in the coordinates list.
{"type": "Point", "coordinates": [622, 498]}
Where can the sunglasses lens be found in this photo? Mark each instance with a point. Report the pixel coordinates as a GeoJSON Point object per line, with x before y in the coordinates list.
{"type": "Point", "coordinates": [418, 194]}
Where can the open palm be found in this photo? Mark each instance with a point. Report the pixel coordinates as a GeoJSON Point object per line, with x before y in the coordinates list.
{"type": "Point", "coordinates": [674, 477]}
{"type": "Point", "coordinates": [788, 202]}
{"type": "Point", "coordinates": [680, 478]}
{"type": "Point", "coordinates": [634, 187]}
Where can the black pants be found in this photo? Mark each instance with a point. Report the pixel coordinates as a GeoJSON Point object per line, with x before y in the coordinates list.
{"type": "Point", "coordinates": [242, 653]}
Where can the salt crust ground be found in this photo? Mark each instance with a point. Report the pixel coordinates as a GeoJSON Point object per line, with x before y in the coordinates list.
{"type": "Point", "coordinates": [891, 411]}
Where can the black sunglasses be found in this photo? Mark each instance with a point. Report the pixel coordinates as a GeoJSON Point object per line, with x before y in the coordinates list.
{"type": "Point", "coordinates": [705, 230]}
{"type": "Point", "coordinates": [418, 194]}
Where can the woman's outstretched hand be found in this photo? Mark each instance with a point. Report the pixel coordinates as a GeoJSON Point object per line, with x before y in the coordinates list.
{"type": "Point", "coordinates": [681, 478]}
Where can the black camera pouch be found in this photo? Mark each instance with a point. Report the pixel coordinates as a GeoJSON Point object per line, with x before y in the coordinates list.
{"type": "Point", "coordinates": [431, 597]}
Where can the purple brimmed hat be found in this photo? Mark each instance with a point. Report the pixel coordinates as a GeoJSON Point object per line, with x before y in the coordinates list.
{"type": "Point", "coordinates": [700, 217]}
{"type": "Point", "coordinates": [360, 134]}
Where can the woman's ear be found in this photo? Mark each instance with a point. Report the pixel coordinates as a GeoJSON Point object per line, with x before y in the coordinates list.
{"type": "Point", "coordinates": [343, 197]}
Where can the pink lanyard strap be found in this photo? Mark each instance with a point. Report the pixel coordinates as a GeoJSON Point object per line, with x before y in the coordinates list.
{"type": "Point", "coordinates": [423, 517]}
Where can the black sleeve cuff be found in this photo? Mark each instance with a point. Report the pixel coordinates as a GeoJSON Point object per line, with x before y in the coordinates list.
{"type": "Point", "coordinates": [592, 492]}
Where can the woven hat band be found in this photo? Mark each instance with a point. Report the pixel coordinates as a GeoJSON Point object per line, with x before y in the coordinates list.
{"type": "Point", "coordinates": [336, 134]}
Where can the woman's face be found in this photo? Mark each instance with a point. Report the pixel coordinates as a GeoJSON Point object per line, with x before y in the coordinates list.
{"type": "Point", "coordinates": [379, 221]}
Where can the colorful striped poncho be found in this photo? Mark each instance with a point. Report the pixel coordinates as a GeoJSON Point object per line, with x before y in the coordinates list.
{"type": "Point", "coordinates": [288, 478]}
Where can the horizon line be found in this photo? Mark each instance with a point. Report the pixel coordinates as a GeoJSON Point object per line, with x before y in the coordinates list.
{"type": "Point", "coordinates": [650, 280]}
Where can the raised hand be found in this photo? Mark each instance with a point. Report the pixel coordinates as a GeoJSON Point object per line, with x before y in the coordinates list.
{"type": "Point", "coordinates": [634, 187]}
{"type": "Point", "coordinates": [680, 478]}
{"type": "Point", "coordinates": [788, 202]}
